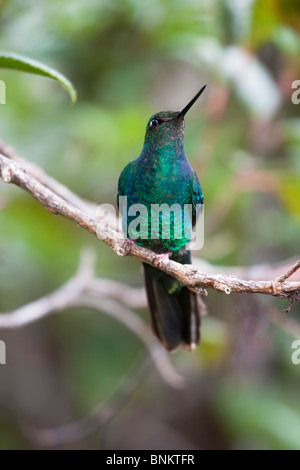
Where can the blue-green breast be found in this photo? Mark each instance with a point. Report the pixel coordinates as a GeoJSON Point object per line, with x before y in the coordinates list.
{"type": "Point", "coordinates": [161, 175]}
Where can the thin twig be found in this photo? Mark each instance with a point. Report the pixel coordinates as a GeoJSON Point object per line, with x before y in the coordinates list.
{"type": "Point", "coordinates": [289, 273]}
{"type": "Point", "coordinates": [124, 315]}
{"type": "Point", "coordinates": [78, 293]}
{"type": "Point", "coordinates": [57, 301]}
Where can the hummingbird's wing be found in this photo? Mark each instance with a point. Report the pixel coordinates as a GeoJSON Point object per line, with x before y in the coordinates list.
{"type": "Point", "coordinates": [197, 197]}
{"type": "Point", "coordinates": [123, 180]}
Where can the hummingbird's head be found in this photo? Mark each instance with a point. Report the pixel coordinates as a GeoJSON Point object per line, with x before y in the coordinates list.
{"type": "Point", "coordinates": [164, 127]}
{"type": "Point", "coordinates": [167, 127]}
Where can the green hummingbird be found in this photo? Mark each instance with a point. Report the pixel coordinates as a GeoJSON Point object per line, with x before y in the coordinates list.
{"type": "Point", "coordinates": [162, 175]}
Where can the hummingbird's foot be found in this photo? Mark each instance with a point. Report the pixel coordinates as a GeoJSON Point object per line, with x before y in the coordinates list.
{"type": "Point", "coordinates": [124, 250]}
{"type": "Point", "coordinates": [129, 242]}
{"type": "Point", "coordinates": [162, 257]}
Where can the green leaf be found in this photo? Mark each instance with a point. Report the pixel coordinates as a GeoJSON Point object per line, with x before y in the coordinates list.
{"type": "Point", "coordinates": [10, 60]}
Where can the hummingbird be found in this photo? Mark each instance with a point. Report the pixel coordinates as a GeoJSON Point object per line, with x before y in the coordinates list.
{"type": "Point", "coordinates": [162, 175]}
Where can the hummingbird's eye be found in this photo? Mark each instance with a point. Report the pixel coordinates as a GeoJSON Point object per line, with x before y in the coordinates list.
{"type": "Point", "coordinates": [154, 122]}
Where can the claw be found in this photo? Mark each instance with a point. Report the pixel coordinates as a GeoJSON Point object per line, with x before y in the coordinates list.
{"type": "Point", "coordinates": [162, 257]}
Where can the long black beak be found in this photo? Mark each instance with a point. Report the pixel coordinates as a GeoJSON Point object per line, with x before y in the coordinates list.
{"type": "Point", "coordinates": [190, 104]}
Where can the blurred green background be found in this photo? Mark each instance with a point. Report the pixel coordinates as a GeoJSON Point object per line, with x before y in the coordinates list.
{"type": "Point", "coordinates": [129, 59]}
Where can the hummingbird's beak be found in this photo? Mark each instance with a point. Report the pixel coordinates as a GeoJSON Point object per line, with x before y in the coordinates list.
{"type": "Point", "coordinates": [190, 104]}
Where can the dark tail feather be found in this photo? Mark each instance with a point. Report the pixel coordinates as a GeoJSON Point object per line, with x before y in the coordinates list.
{"type": "Point", "coordinates": [166, 315]}
{"type": "Point", "coordinates": [175, 310]}
{"type": "Point", "coordinates": [191, 305]}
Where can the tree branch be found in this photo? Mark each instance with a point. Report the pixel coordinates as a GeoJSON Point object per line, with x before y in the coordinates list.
{"type": "Point", "coordinates": [84, 290]}
{"type": "Point", "coordinates": [60, 201]}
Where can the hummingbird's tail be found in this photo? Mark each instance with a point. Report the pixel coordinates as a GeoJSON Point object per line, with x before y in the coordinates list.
{"type": "Point", "coordinates": [175, 310]}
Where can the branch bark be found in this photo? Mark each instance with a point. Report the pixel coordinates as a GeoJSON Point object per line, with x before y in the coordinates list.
{"type": "Point", "coordinates": [61, 201]}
